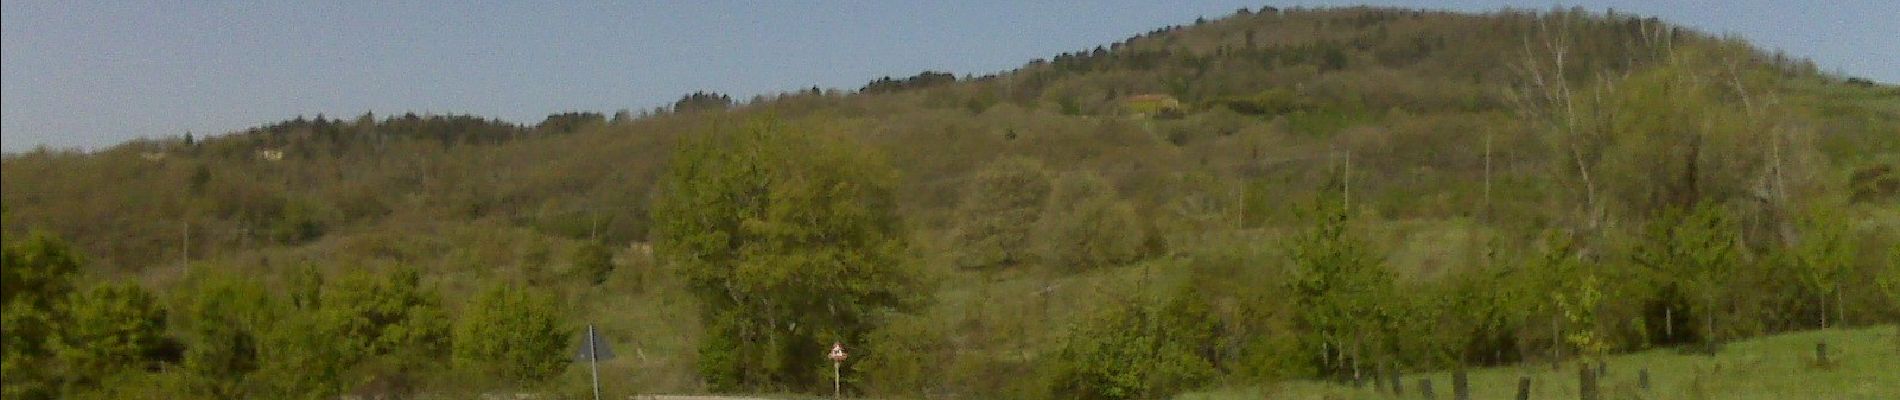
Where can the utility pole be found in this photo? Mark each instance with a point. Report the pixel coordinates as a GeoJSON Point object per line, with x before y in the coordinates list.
{"type": "Point", "coordinates": [1487, 177]}
{"type": "Point", "coordinates": [184, 246]}
{"type": "Point", "coordinates": [1348, 181]}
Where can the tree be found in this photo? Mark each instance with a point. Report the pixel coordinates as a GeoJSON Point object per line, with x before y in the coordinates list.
{"type": "Point", "coordinates": [1823, 255]}
{"type": "Point", "coordinates": [998, 213]}
{"type": "Point", "coordinates": [702, 101]}
{"type": "Point", "coordinates": [1131, 350]}
{"type": "Point", "coordinates": [222, 321]}
{"type": "Point", "coordinates": [511, 333]}
{"type": "Point", "coordinates": [391, 314]}
{"type": "Point", "coordinates": [594, 261]}
{"type": "Point", "coordinates": [790, 241]}
{"type": "Point", "coordinates": [37, 278]}
{"type": "Point", "coordinates": [1342, 289]}
{"type": "Point", "coordinates": [111, 328]}
{"type": "Point", "coordinates": [1691, 254]}
{"type": "Point", "coordinates": [300, 357]}
{"type": "Point", "coordinates": [1087, 226]}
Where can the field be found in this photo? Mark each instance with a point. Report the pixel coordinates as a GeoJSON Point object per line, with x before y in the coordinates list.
{"type": "Point", "coordinates": [1866, 366]}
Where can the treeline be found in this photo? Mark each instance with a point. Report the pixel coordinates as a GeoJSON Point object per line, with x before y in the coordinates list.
{"type": "Point", "coordinates": [225, 337]}
{"type": "Point", "coordinates": [1332, 308]}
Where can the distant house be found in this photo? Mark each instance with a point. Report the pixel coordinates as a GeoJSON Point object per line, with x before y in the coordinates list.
{"type": "Point", "coordinates": [153, 156]}
{"type": "Point", "coordinates": [270, 154]}
{"type": "Point", "coordinates": [1153, 105]}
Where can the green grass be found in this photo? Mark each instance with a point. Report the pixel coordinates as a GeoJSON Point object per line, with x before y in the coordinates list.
{"type": "Point", "coordinates": [1867, 366]}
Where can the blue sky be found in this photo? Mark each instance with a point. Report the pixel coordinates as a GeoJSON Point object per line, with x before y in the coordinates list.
{"type": "Point", "coordinates": [83, 75]}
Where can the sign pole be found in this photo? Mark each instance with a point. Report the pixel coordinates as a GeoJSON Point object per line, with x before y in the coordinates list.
{"type": "Point", "coordinates": [837, 358]}
{"type": "Point", "coordinates": [593, 359]}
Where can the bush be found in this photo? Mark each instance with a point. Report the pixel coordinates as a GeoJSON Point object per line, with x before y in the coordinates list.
{"type": "Point", "coordinates": [1126, 353]}
{"type": "Point", "coordinates": [594, 261]}
{"type": "Point", "coordinates": [223, 321]}
{"type": "Point", "coordinates": [998, 213]}
{"type": "Point", "coordinates": [301, 358]}
{"type": "Point", "coordinates": [513, 334]}
{"type": "Point", "coordinates": [1087, 226]}
{"type": "Point", "coordinates": [909, 356]}
{"type": "Point", "coordinates": [388, 314]}
{"type": "Point", "coordinates": [111, 328]}
{"type": "Point", "coordinates": [37, 281]}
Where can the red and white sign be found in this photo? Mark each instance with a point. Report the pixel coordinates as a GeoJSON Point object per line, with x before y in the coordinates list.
{"type": "Point", "coordinates": [837, 352]}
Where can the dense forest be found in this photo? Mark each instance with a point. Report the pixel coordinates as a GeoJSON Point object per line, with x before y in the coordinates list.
{"type": "Point", "coordinates": [1271, 195]}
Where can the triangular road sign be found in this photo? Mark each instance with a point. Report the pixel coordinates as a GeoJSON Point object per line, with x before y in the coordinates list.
{"type": "Point", "coordinates": [593, 347]}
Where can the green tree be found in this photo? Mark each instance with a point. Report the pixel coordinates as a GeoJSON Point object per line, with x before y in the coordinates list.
{"type": "Point", "coordinates": [998, 214]}
{"type": "Point", "coordinates": [221, 321]}
{"type": "Point", "coordinates": [1822, 255]}
{"type": "Point", "coordinates": [907, 356]}
{"type": "Point", "coordinates": [390, 314]}
{"type": "Point", "coordinates": [1342, 289]}
{"type": "Point", "coordinates": [790, 241]}
{"type": "Point", "coordinates": [1690, 253]}
{"type": "Point", "coordinates": [1130, 350]}
{"type": "Point", "coordinates": [594, 261]}
{"type": "Point", "coordinates": [300, 357]}
{"type": "Point", "coordinates": [511, 333]}
{"type": "Point", "coordinates": [110, 328]}
{"type": "Point", "coordinates": [1087, 225]}
{"type": "Point", "coordinates": [38, 277]}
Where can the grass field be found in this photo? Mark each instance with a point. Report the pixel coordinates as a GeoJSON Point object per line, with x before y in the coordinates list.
{"type": "Point", "coordinates": [1866, 365]}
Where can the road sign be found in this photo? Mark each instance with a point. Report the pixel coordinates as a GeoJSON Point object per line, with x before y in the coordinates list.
{"type": "Point", "coordinates": [593, 347]}
{"type": "Point", "coordinates": [837, 358]}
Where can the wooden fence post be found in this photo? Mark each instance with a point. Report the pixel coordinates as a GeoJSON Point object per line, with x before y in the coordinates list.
{"type": "Point", "coordinates": [1460, 385]}
{"type": "Point", "coordinates": [1377, 375]}
{"type": "Point", "coordinates": [1586, 382]}
{"type": "Point", "coordinates": [1398, 381]}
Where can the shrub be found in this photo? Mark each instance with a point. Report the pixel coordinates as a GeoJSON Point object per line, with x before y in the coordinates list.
{"type": "Point", "coordinates": [38, 278]}
{"type": "Point", "coordinates": [110, 328]}
{"type": "Point", "coordinates": [594, 261]}
{"type": "Point", "coordinates": [1125, 352]}
{"type": "Point", "coordinates": [998, 213]}
{"type": "Point", "coordinates": [1087, 226]}
{"type": "Point", "coordinates": [511, 333]}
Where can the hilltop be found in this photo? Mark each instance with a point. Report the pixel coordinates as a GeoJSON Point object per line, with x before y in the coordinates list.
{"type": "Point", "coordinates": [1465, 153]}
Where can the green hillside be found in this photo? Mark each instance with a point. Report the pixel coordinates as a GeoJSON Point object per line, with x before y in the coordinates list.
{"type": "Point", "coordinates": [1271, 196]}
{"type": "Point", "coordinates": [1772, 367]}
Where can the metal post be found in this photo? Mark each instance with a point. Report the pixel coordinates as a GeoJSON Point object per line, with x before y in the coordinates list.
{"type": "Point", "coordinates": [836, 387]}
{"type": "Point", "coordinates": [593, 359]}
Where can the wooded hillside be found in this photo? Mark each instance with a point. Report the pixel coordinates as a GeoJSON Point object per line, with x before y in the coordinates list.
{"type": "Point", "coordinates": [1270, 195]}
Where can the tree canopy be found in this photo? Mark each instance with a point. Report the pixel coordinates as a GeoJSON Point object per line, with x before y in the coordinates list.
{"type": "Point", "coordinates": [789, 239]}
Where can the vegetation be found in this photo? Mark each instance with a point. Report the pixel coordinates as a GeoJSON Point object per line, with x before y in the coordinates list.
{"type": "Point", "coordinates": [788, 241]}
{"type": "Point", "coordinates": [513, 332]}
{"type": "Point", "coordinates": [1771, 367]}
{"type": "Point", "coordinates": [1299, 195]}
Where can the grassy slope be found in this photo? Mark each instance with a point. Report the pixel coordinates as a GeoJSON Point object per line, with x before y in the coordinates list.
{"type": "Point", "coordinates": [1772, 367]}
